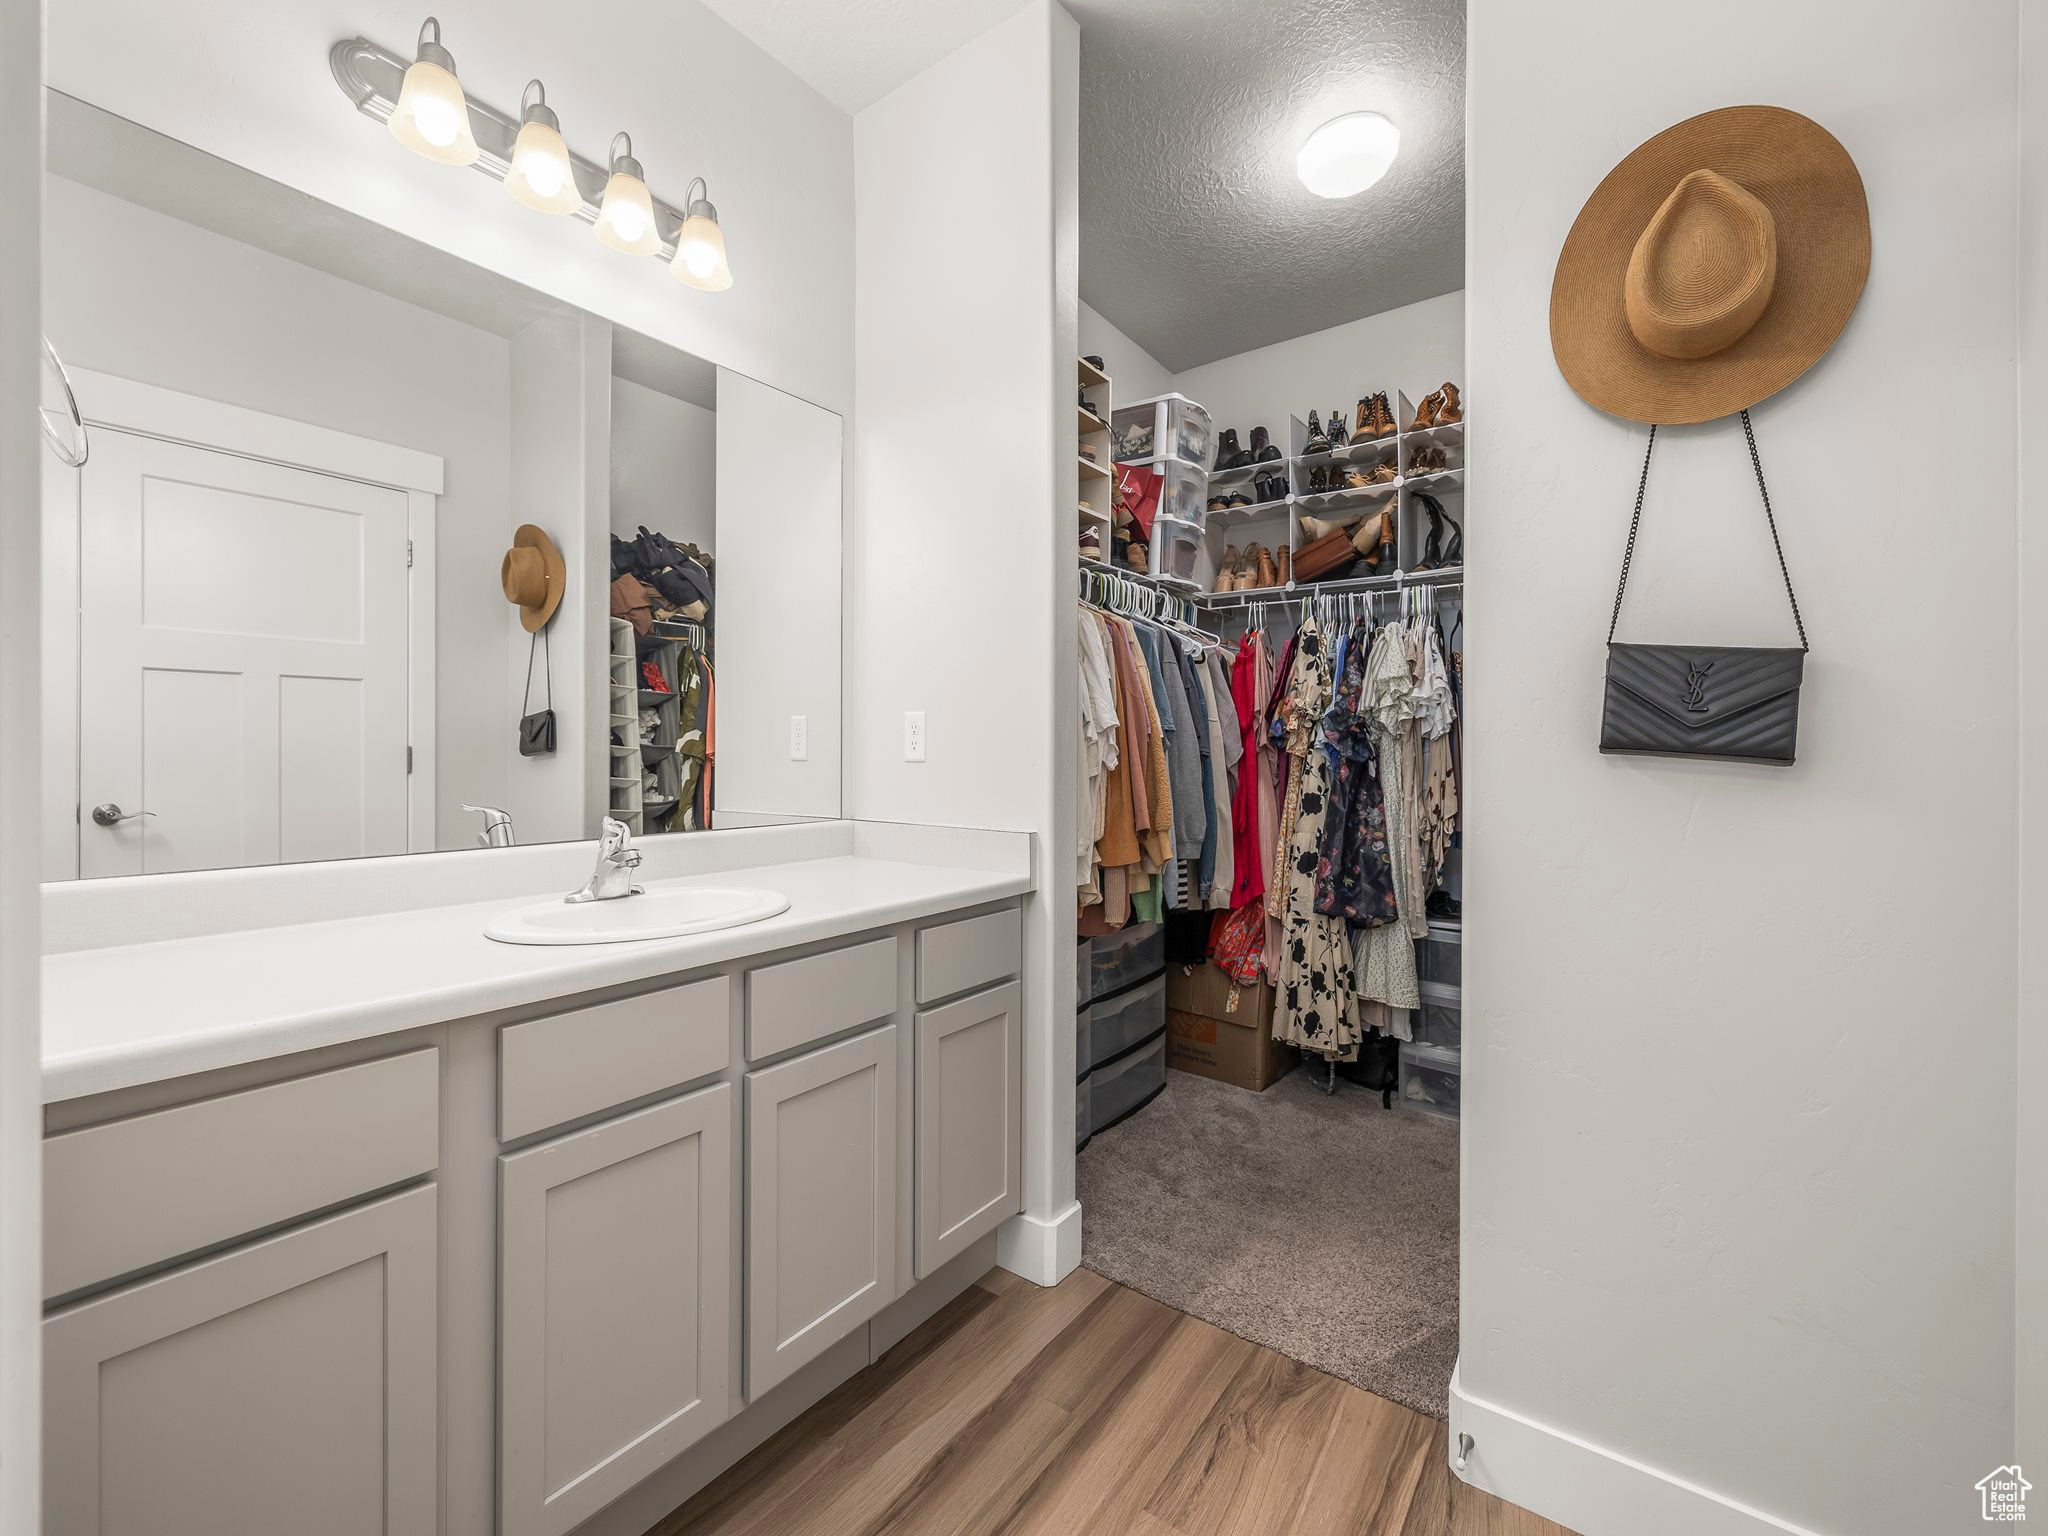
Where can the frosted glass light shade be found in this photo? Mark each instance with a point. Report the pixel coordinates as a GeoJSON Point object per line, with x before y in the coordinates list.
{"type": "Point", "coordinates": [541, 176]}
{"type": "Point", "coordinates": [625, 220]}
{"type": "Point", "coordinates": [1348, 154]}
{"type": "Point", "coordinates": [432, 115]}
{"type": "Point", "coordinates": [700, 253]}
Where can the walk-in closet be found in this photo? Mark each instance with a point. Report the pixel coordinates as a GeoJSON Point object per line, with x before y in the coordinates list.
{"type": "Point", "coordinates": [1272, 521]}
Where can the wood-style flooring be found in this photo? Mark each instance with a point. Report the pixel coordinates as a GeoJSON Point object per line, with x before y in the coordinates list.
{"type": "Point", "coordinates": [1089, 1408]}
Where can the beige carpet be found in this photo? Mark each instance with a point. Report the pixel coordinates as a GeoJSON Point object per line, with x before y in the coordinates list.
{"type": "Point", "coordinates": [1323, 1227]}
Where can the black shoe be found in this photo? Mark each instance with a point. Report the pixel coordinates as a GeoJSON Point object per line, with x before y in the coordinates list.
{"type": "Point", "coordinates": [1228, 454]}
{"type": "Point", "coordinates": [1317, 442]}
{"type": "Point", "coordinates": [1435, 556]}
{"type": "Point", "coordinates": [1442, 904]}
{"type": "Point", "coordinates": [1337, 435]}
{"type": "Point", "coordinates": [1263, 450]}
{"type": "Point", "coordinates": [1095, 362]}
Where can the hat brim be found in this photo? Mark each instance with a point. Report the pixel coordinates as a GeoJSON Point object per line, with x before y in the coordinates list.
{"type": "Point", "coordinates": [534, 616]}
{"type": "Point", "coordinates": [1798, 170]}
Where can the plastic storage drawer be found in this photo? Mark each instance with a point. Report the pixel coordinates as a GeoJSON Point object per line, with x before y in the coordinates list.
{"type": "Point", "coordinates": [1126, 1019]}
{"type": "Point", "coordinates": [1176, 550]}
{"type": "Point", "coordinates": [1084, 1055]}
{"type": "Point", "coordinates": [1431, 1080]}
{"type": "Point", "coordinates": [1117, 1090]}
{"type": "Point", "coordinates": [1437, 1021]}
{"type": "Point", "coordinates": [1440, 957]}
{"type": "Point", "coordinates": [1083, 962]}
{"type": "Point", "coordinates": [1136, 953]}
{"type": "Point", "coordinates": [1081, 1131]}
{"type": "Point", "coordinates": [1163, 427]}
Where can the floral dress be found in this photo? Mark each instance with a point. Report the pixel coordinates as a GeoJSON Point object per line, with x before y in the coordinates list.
{"type": "Point", "coordinates": [1356, 881]}
{"type": "Point", "coordinates": [1318, 1004]}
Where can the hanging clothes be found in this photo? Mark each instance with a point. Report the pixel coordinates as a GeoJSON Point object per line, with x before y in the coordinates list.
{"type": "Point", "coordinates": [1315, 978]}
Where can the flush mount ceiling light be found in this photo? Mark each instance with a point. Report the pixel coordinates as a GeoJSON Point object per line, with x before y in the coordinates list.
{"type": "Point", "coordinates": [427, 111]}
{"type": "Point", "coordinates": [1347, 154]}
{"type": "Point", "coordinates": [700, 245]}
{"type": "Point", "coordinates": [541, 176]}
{"type": "Point", "coordinates": [431, 116]}
{"type": "Point", "coordinates": [625, 220]}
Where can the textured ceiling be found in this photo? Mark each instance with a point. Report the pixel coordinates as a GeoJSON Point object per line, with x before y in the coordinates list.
{"type": "Point", "coordinates": [855, 52]}
{"type": "Point", "coordinates": [1197, 239]}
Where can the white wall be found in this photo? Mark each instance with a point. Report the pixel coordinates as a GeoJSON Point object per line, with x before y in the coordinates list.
{"type": "Point", "coordinates": [663, 466]}
{"type": "Point", "coordinates": [226, 321]}
{"type": "Point", "coordinates": [22, 457]}
{"type": "Point", "coordinates": [561, 473]}
{"type": "Point", "coordinates": [1413, 348]}
{"type": "Point", "coordinates": [778, 620]}
{"type": "Point", "coordinates": [2031, 1086]}
{"type": "Point", "coordinates": [1134, 373]}
{"type": "Point", "coordinates": [963, 570]}
{"type": "Point", "coordinates": [252, 85]}
{"type": "Point", "coordinates": [1738, 1134]}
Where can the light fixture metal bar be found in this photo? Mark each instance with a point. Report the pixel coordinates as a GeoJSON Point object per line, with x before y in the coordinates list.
{"type": "Point", "coordinates": [371, 76]}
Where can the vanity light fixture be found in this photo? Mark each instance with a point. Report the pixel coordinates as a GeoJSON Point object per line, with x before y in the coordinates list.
{"type": "Point", "coordinates": [700, 245]}
{"type": "Point", "coordinates": [1348, 154]}
{"type": "Point", "coordinates": [625, 221]}
{"type": "Point", "coordinates": [432, 115]}
{"type": "Point", "coordinates": [427, 111]}
{"type": "Point", "coordinates": [541, 176]}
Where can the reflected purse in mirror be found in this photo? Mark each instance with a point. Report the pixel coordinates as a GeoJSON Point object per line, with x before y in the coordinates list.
{"type": "Point", "coordinates": [537, 731]}
{"type": "Point", "coordinates": [1703, 700]}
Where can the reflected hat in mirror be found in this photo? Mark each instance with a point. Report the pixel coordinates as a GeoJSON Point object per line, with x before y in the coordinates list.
{"type": "Point", "coordinates": [1712, 267]}
{"type": "Point", "coordinates": [534, 576]}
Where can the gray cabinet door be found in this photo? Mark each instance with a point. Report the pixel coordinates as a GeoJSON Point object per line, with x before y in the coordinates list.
{"type": "Point", "coordinates": [821, 1201]}
{"type": "Point", "coordinates": [970, 1148]}
{"type": "Point", "coordinates": [288, 1385]}
{"type": "Point", "coordinates": [614, 1306]}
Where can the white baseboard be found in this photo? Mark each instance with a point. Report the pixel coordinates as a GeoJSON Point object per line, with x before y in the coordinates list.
{"type": "Point", "coordinates": [1043, 1252]}
{"type": "Point", "coordinates": [1586, 1488]}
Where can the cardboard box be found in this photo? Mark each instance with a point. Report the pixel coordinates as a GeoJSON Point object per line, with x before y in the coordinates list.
{"type": "Point", "coordinates": [1218, 1030]}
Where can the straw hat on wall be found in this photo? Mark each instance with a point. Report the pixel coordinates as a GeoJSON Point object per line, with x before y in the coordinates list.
{"type": "Point", "coordinates": [534, 576]}
{"type": "Point", "coordinates": [1712, 267]}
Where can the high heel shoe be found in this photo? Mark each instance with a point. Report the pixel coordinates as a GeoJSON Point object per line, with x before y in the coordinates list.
{"type": "Point", "coordinates": [1283, 559]}
{"type": "Point", "coordinates": [1267, 573]}
{"type": "Point", "coordinates": [1425, 412]}
{"type": "Point", "coordinates": [1317, 441]}
{"type": "Point", "coordinates": [1228, 569]}
{"type": "Point", "coordinates": [1453, 408]}
{"type": "Point", "coordinates": [1335, 431]}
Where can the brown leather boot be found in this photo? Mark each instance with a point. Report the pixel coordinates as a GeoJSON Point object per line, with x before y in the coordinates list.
{"type": "Point", "coordinates": [1425, 413]}
{"type": "Point", "coordinates": [1362, 426]}
{"type": "Point", "coordinates": [1283, 557]}
{"type": "Point", "coordinates": [1453, 410]}
{"type": "Point", "coordinates": [1382, 415]}
{"type": "Point", "coordinates": [1268, 573]}
{"type": "Point", "coordinates": [1229, 569]}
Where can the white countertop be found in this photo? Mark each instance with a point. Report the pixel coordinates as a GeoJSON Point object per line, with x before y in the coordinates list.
{"type": "Point", "coordinates": [138, 1013]}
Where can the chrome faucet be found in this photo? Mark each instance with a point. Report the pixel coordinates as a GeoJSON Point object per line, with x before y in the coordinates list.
{"type": "Point", "coordinates": [497, 832]}
{"type": "Point", "coordinates": [616, 862]}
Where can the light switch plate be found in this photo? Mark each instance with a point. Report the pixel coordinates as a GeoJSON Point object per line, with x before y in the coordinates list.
{"type": "Point", "coordinates": [913, 736]}
{"type": "Point", "coordinates": [799, 738]}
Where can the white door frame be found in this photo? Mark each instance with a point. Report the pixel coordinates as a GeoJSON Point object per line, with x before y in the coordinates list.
{"type": "Point", "coordinates": [149, 410]}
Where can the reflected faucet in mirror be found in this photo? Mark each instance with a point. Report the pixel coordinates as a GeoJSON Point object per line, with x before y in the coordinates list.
{"type": "Point", "coordinates": [616, 861]}
{"type": "Point", "coordinates": [497, 832]}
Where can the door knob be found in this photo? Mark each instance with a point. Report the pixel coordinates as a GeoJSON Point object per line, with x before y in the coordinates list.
{"type": "Point", "coordinates": [111, 814]}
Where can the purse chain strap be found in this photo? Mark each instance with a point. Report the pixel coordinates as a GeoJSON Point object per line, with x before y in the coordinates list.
{"type": "Point", "coordinates": [1635, 522]}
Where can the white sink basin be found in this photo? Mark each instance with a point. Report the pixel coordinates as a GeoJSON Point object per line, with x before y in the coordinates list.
{"type": "Point", "coordinates": [659, 912]}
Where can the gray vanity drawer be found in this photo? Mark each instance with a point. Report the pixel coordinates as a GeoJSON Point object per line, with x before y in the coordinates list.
{"type": "Point", "coordinates": [958, 957]}
{"type": "Point", "coordinates": [129, 1194]}
{"type": "Point", "coordinates": [792, 1004]}
{"type": "Point", "coordinates": [557, 1069]}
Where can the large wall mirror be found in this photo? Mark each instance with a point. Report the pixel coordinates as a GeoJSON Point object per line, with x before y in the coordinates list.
{"type": "Point", "coordinates": [354, 510]}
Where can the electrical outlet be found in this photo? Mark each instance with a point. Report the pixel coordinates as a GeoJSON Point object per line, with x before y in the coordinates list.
{"type": "Point", "coordinates": [799, 738]}
{"type": "Point", "coordinates": [913, 736]}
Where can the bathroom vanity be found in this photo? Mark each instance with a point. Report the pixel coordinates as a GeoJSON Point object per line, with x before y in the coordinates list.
{"type": "Point", "coordinates": [371, 1224]}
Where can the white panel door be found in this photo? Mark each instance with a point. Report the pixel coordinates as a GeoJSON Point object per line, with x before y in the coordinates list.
{"type": "Point", "coordinates": [243, 660]}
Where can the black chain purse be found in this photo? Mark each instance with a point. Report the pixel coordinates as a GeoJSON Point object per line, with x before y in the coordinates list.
{"type": "Point", "coordinates": [1703, 700]}
{"type": "Point", "coordinates": [537, 731]}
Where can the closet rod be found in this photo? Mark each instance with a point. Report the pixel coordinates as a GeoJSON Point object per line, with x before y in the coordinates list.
{"type": "Point", "coordinates": [1404, 581]}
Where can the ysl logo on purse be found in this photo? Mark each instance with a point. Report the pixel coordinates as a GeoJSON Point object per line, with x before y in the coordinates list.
{"type": "Point", "coordinates": [1696, 685]}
